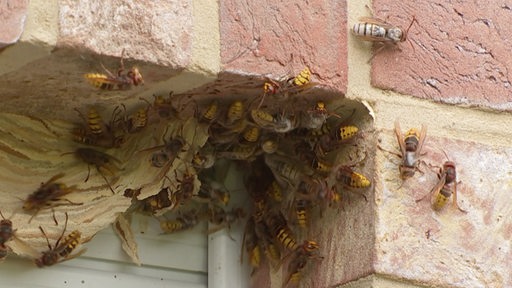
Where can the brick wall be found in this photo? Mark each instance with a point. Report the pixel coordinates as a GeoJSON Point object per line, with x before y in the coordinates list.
{"type": "Point", "coordinates": [451, 75]}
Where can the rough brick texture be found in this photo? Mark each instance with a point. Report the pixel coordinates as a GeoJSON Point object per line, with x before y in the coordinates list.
{"type": "Point", "coordinates": [446, 248]}
{"type": "Point", "coordinates": [13, 14]}
{"type": "Point", "coordinates": [157, 31]}
{"type": "Point", "coordinates": [461, 52]}
{"type": "Point", "coordinates": [280, 38]}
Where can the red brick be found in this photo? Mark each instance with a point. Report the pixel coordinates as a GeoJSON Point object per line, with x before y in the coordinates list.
{"type": "Point", "coordinates": [446, 248]}
{"type": "Point", "coordinates": [461, 52]}
{"type": "Point", "coordinates": [280, 38]}
{"type": "Point", "coordinates": [13, 14]}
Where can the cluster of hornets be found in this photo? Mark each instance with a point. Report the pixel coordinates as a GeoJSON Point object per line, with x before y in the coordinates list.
{"type": "Point", "coordinates": [288, 158]}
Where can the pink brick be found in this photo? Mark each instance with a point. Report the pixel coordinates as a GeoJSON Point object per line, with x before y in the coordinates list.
{"type": "Point", "coordinates": [461, 52]}
{"type": "Point", "coordinates": [280, 38]}
{"type": "Point", "coordinates": [13, 15]}
{"type": "Point", "coordinates": [447, 248]}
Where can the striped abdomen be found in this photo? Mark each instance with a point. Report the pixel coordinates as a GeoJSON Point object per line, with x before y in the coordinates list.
{"type": "Point", "coordinates": [321, 166]}
{"type": "Point", "coordinates": [302, 78]}
{"type": "Point", "coordinates": [280, 230]}
{"type": "Point", "coordinates": [364, 29]}
{"type": "Point", "coordinates": [301, 206]}
{"type": "Point", "coordinates": [346, 132]}
{"type": "Point", "coordinates": [442, 197]}
{"type": "Point", "coordinates": [211, 111]}
{"type": "Point", "coordinates": [69, 244]}
{"type": "Point", "coordinates": [171, 226]}
{"type": "Point", "coordinates": [286, 239]}
{"type": "Point", "coordinates": [94, 122]}
{"type": "Point", "coordinates": [138, 121]}
{"type": "Point", "coordinates": [352, 179]}
{"type": "Point", "coordinates": [235, 112]}
{"type": "Point", "coordinates": [100, 81]}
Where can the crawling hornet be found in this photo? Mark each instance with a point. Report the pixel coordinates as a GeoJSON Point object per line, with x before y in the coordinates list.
{"type": "Point", "coordinates": [61, 251]}
{"type": "Point", "coordinates": [445, 187]}
{"type": "Point", "coordinates": [122, 81]}
{"type": "Point", "coordinates": [377, 30]}
{"type": "Point", "coordinates": [410, 148]}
